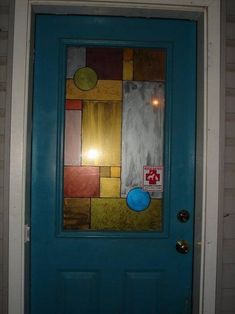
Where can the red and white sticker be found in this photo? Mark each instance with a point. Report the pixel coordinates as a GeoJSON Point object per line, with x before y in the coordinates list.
{"type": "Point", "coordinates": [153, 179]}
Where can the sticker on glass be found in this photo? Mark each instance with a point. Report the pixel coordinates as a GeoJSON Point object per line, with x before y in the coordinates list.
{"type": "Point", "coordinates": [153, 178]}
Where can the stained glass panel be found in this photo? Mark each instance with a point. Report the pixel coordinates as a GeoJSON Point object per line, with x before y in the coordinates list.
{"type": "Point", "coordinates": [113, 142]}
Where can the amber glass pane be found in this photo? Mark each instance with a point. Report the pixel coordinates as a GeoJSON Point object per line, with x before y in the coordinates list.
{"type": "Point", "coordinates": [113, 142]}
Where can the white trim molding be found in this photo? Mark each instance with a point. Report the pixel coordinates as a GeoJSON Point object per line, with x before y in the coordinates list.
{"type": "Point", "coordinates": [210, 159]}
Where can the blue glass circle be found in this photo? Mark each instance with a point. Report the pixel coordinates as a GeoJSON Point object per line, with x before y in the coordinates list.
{"type": "Point", "coordinates": [138, 199]}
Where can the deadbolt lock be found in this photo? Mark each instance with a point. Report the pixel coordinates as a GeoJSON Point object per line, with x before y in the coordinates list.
{"type": "Point", "coordinates": [182, 246]}
{"type": "Point", "coordinates": [183, 215]}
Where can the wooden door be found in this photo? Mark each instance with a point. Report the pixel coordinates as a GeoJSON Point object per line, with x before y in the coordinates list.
{"type": "Point", "coordinates": [113, 163]}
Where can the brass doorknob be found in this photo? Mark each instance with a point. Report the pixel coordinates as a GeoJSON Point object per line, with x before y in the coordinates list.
{"type": "Point", "coordinates": [182, 246]}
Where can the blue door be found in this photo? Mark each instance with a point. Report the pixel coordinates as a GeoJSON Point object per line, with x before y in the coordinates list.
{"type": "Point", "coordinates": [113, 165]}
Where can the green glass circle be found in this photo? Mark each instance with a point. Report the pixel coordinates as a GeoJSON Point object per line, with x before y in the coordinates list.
{"type": "Point", "coordinates": [85, 78]}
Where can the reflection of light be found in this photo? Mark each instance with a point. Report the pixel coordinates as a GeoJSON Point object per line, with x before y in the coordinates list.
{"type": "Point", "coordinates": [92, 154]}
{"type": "Point", "coordinates": [155, 102]}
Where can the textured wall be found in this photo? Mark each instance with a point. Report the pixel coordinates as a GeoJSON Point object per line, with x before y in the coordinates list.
{"type": "Point", "coordinates": [4, 18]}
{"type": "Point", "coordinates": [228, 248]}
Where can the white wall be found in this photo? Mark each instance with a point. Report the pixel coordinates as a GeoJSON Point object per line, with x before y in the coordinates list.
{"type": "Point", "coordinates": [228, 223]}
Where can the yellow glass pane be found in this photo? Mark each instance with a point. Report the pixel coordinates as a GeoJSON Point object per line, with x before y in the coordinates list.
{"type": "Point", "coordinates": [104, 90]}
{"type": "Point", "coordinates": [128, 64]}
{"type": "Point", "coordinates": [113, 214]}
{"type": "Point", "coordinates": [105, 172]}
{"type": "Point", "coordinates": [101, 133]}
{"type": "Point", "coordinates": [109, 187]}
{"type": "Point", "coordinates": [115, 172]}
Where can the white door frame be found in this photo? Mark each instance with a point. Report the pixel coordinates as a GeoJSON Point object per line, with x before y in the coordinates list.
{"type": "Point", "coordinates": [210, 124]}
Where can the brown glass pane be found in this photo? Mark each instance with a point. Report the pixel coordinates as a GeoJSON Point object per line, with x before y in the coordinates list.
{"type": "Point", "coordinates": [107, 62]}
{"type": "Point", "coordinates": [77, 213]}
{"type": "Point", "coordinates": [149, 65]}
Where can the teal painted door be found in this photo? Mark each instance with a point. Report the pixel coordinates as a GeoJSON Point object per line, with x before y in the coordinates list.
{"type": "Point", "coordinates": [120, 254]}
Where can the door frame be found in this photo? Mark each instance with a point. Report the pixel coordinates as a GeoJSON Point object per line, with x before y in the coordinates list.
{"type": "Point", "coordinates": [209, 133]}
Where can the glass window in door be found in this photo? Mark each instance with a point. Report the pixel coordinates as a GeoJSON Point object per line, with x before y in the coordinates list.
{"type": "Point", "coordinates": [113, 139]}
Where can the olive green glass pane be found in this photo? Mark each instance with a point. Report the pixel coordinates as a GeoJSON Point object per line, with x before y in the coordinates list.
{"type": "Point", "coordinates": [114, 214]}
{"type": "Point", "coordinates": [85, 78]}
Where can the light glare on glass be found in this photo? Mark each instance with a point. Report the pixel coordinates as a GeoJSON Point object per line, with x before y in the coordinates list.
{"type": "Point", "coordinates": [155, 102]}
{"type": "Point", "coordinates": [93, 154]}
